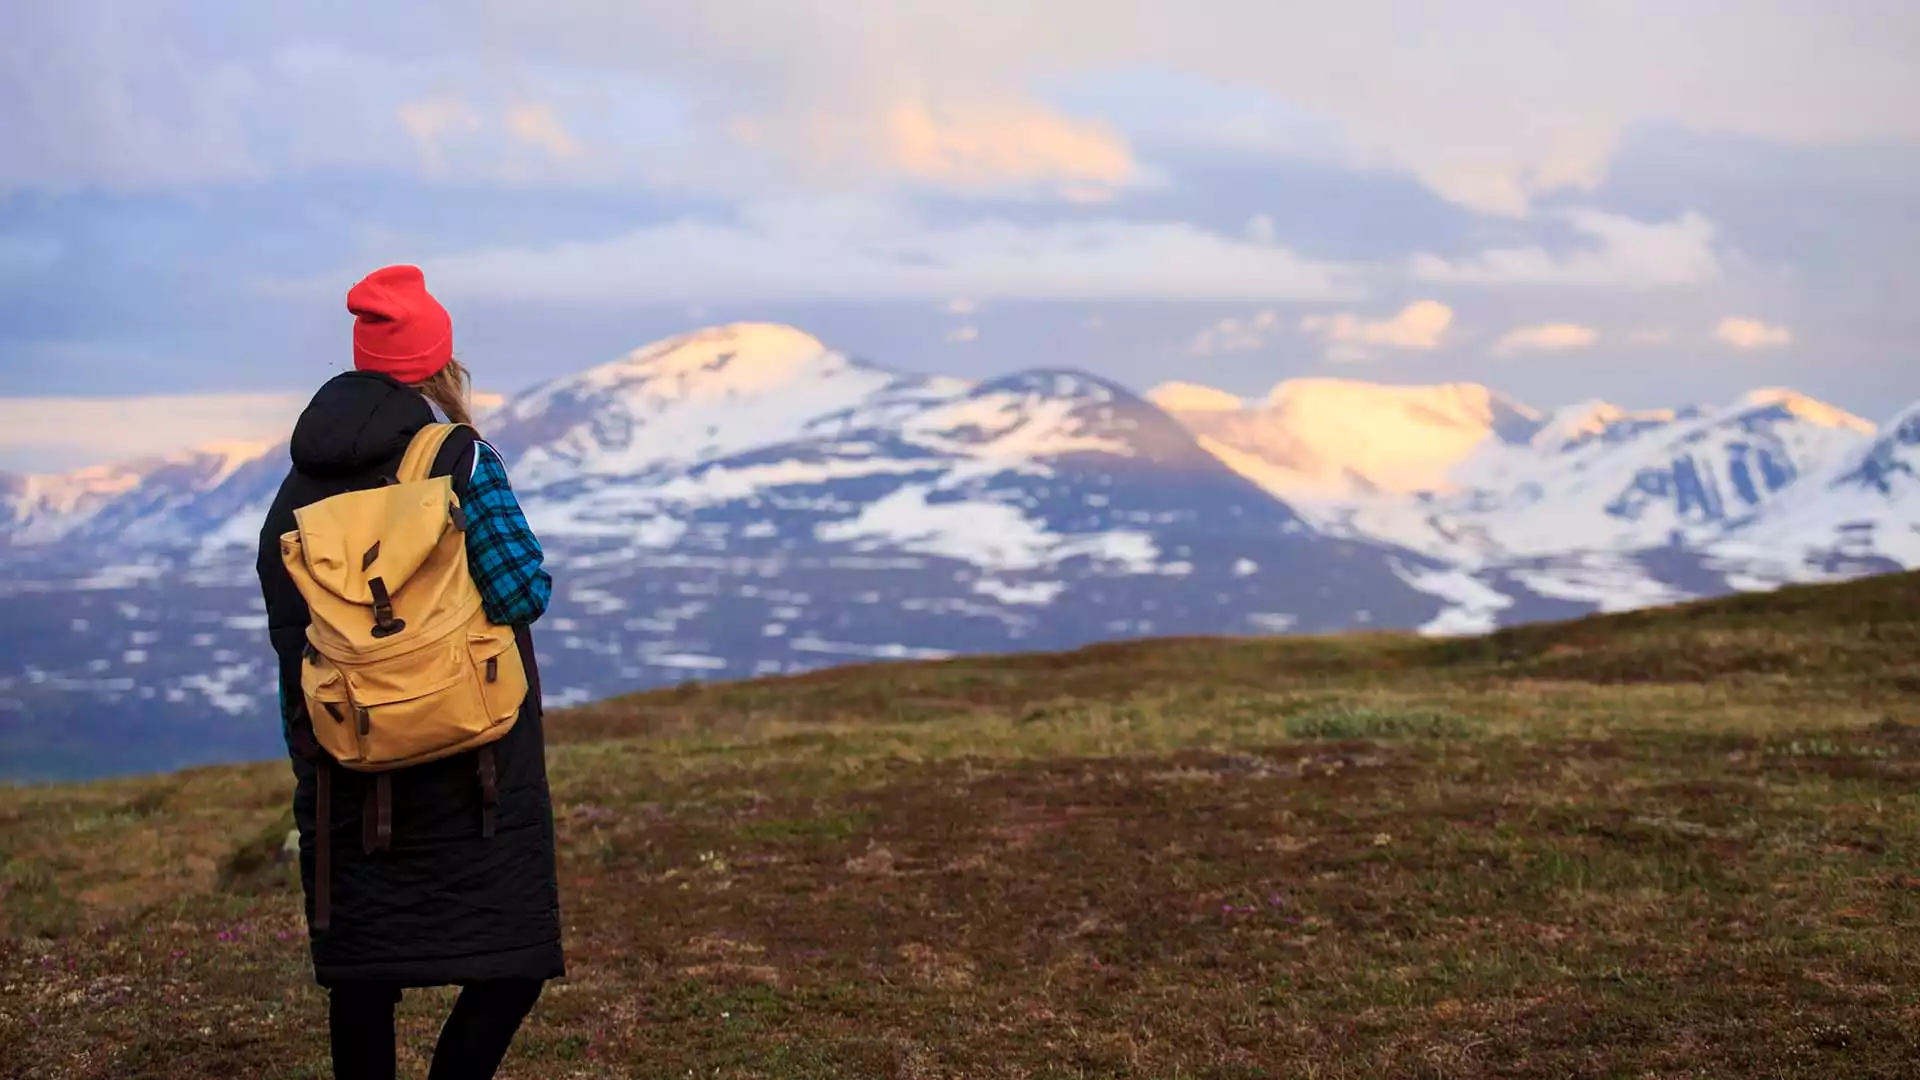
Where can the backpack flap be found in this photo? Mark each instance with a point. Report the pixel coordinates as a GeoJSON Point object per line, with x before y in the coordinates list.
{"type": "Point", "coordinates": [361, 543]}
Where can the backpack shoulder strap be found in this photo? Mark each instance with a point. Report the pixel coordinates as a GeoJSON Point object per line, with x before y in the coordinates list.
{"type": "Point", "coordinates": [418, 462]}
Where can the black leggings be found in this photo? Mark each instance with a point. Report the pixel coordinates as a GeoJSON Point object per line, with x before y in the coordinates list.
{"type": "Point", "coordinates": [474, 1039]}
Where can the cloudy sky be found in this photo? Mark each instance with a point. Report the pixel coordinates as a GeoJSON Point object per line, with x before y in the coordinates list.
{"type": "Point", "coordinates": [1657, 202]}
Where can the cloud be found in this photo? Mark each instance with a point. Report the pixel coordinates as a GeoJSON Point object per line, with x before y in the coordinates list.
{"type": "Point", "coordinates": [1530, 106]}
{"type": "Point", "coordinates": [961, 305]}
{"type": "Point", "coordinates": [1547, 337]}
{"type": "Point", "coordinates": [55, 434]}
{"type": "Point", "coordinates": [432, 122]}
{"type": "Point", "coordinates": [1192, 397]}
{"type": "Point", "coordinates": [1260, 229]}
{"type": "Point", "coordinates": [1420, 325]}
{"type": "Point", "coordinates": [438, 125]}
{"type": "Point", "coordinates": [538, 126]}
{"type": "Point", "coordinates": [999, 147]}
{"type": "Point", "coordinates": [98, 91]}
{"type": "Point", "coordinates": [963, 334]}
{"type": "Point", "coordinates": [975, 149]}
{"type": "Point", "coordinates": [1234, 334]}
{"type": "Point", "coordinates": [1620, 251]}
{"type": "Point", "coordinates": [1744, 333]}
{"type": "Point", "coordinates": [863, 249]}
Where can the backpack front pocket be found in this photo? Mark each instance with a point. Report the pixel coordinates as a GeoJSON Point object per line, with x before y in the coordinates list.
{"type": "Point", "coordinates": [417, 706]}
{"type": "Point", "coordinates": [501, 675]}
{"type": "Point", "coordinates": [330, 710]}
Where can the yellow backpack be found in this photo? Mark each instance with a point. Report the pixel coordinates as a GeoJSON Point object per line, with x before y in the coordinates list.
{"type": "Point", "coordinates": [402, 665]}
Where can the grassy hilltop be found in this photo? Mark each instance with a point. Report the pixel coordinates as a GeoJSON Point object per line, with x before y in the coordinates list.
{"type": "Point", "coordinates": [1678, 843]}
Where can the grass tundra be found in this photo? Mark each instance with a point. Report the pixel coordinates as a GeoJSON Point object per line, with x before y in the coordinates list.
{"type": "Point", "coordinates": [1676, 843]}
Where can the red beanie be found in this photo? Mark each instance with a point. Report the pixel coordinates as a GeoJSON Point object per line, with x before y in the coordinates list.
{"type": "Point", "coordinates": [401, 329]}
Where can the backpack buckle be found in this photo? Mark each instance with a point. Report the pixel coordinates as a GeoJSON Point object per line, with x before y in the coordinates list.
{"type": "Point", "coordinates": [384, 624]}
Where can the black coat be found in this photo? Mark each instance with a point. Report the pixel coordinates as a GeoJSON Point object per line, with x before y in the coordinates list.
{"type": "Point", "coordinates": [443, 905]}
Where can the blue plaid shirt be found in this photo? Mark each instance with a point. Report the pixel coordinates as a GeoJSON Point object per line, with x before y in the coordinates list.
{"type": "Point", "coordinates": [502, 551]}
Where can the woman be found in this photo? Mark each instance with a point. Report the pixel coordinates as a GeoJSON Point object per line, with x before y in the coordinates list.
{"type": "Point", "coordinates": [430, 900]}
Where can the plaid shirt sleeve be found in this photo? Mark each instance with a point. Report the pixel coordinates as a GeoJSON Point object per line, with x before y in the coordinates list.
{"type": "Point", "coordinates": [502, 551]}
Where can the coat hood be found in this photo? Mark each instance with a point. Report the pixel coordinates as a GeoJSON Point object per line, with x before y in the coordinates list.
{"type": "Point", "coordinates": [358, 421]}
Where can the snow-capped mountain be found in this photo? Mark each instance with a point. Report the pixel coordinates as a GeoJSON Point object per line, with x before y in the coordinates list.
{"type": "Point", "coordinates": [742, 500]}
{"type": "Point", "coordinates": [1468, 476]}
{"type": "Point", "coordinates": [760, 443]}
{"type": "Point", "coordinates": [139, 500]}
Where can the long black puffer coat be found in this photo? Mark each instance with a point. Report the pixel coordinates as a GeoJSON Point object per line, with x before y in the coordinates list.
{"type": "Point", "coordinates": [443, 905]}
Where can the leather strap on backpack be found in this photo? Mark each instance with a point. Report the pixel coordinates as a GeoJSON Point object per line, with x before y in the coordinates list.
{"type": "Point", "coordinates": [426, 444]}
{"type": "Point", "coordinates": [489, 790]}
{"type": "Point", "coordinates": [322, 847]}
{"type": "Point", "coordinates": [376, 817]}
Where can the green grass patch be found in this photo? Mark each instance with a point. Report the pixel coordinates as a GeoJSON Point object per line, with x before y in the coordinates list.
{"type": "Point", "coordinates": [1338, 720]}
{"type": "Point", "coordinates": [827, 827]}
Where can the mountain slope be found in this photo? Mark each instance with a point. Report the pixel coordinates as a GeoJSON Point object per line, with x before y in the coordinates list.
{"type": "Point", "coordinates": [1644, 479]}
{"type": "Point", "coordinates": [1864, 513]}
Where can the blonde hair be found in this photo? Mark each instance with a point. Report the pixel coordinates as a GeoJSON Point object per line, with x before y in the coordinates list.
{"type": "Point", "coordinates": [448, 388]}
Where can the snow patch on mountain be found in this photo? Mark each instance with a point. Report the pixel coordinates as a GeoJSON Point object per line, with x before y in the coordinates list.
{"type": "Point", "coordinates": [991, 535]}
{"type": "Point", "coordinates": [1605, 581]}
{"type": "Point", "coordinates": [1473, 607]}
{"type": "Point", "coordinates": [1037, 593]}
{"type": "Point", "coordinates": [1014, 429]}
